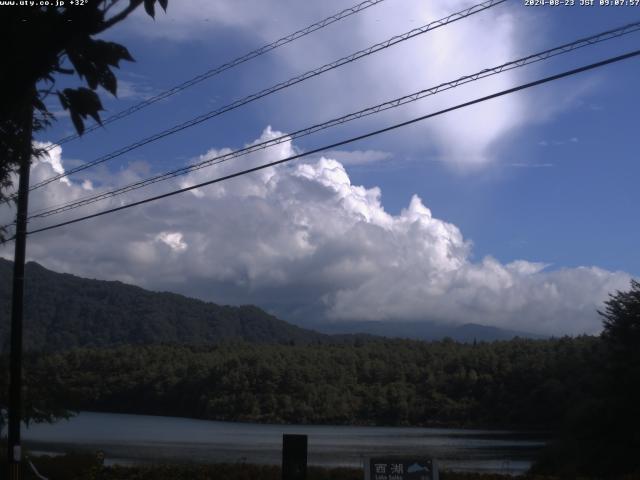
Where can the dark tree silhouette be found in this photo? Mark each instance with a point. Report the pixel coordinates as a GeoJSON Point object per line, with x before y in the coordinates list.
{"type": "Point", "coordinates": [40, 42]}
{"type": "Point", "coordinates": [622, 326]}
{"type": "Point", "coordinates": [621, 342]}
{"type": "Point", "coordinates": [601, 435]}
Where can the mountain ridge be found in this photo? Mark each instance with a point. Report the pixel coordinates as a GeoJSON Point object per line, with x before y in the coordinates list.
{"type": "Point", "coordinates": [65, 311]}
{"type": "Point", "coordinates": [423, 330]}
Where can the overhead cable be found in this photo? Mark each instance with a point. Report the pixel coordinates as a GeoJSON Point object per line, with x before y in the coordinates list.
{"type": "Point", "coordinates": [530, 59]}
{"type": "Point", "coordinates": [280, 86]}
{"type": "Point", "coordinates": [544, 80]}
{"type": "Point", "coordinates": [347, 12]}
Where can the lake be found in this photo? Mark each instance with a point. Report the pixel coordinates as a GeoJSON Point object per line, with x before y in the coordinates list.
{"type": "Point", "coordinates": [130, 439]}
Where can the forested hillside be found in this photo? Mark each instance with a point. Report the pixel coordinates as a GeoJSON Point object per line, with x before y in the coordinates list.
{"type": "Point", "coordinates": [523, 383]}
{"type": "Point", "coordinates": [158, 353]}
{"type": "Point", "coordinates": [64, 311]}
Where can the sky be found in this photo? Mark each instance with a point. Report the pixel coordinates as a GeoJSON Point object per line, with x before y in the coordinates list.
{"type": "Point", "coordinates": [516, 213]}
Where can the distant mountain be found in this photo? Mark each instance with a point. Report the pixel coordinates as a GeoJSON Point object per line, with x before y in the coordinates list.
{"type": "Point", "coordinates": [423, 330]}
{"type": "Point", "coordinates": [65, 311]}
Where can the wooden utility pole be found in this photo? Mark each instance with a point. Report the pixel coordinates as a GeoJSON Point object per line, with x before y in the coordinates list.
{"type": "Point", "coordinates": [14, 453]}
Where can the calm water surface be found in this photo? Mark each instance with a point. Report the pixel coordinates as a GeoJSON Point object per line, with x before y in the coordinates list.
{"type": "Point", "coordinates": [141, 438]}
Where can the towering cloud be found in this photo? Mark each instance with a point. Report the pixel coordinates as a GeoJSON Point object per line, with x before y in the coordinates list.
{"type": "Point", "coordinates": [302, 240]}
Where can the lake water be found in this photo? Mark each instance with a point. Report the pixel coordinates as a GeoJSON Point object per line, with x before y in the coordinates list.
{"type": "Point", "coordinates": [141, 439]}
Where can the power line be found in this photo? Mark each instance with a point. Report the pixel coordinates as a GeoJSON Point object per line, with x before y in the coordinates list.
{"type": "Point", "coordinates": [225, 66]}
{"type": "Point", "coordinates": [533, 58]}
{"type": "Point", "coordinates": [349, 140]}
{"type": "Point", "coordinates": [280, 86]}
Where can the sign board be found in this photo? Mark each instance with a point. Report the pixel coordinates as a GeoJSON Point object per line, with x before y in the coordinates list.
{"type": "Point", "coordinates": [401, 469]}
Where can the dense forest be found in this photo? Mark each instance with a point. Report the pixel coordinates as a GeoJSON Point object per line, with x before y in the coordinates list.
{"type": "Point", "coordinates": [64, 311]}
{"type": "Point", "coordinates": [584, 390]}
{"type": "Point", "coordinates": [194, 359]}
{"type": "Point", "coordinates": [524, 383]}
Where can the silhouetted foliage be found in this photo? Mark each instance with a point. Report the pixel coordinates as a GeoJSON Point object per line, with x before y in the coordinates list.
{"type": "Point", "coordinates": [524, 383]}
{"type": "Point", "coordinates": [601, 434]}
{"type": "Point", "coordinates": [39, 42]}
{"type": "Point", "coordinates": [64, 311]}
{"type": "Point", "coordinates": [79, 466]}
{"type": "Point", "coordinates": [44, 394]}
{"type": "Point", "coordinates": [621, 336]}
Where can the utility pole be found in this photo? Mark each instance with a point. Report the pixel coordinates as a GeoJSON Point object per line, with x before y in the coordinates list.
{"type": "Point", "coordinates": [14, 453]}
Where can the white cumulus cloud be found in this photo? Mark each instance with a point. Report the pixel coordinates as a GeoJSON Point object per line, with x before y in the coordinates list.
{"type": "Point", "coordinates": [303, 241]}
{"type": "Point", "coordinates": [173, 240]}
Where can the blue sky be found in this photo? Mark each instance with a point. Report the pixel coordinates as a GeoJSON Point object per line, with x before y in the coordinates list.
{"type": "Point", "coordinates": [544, 176]}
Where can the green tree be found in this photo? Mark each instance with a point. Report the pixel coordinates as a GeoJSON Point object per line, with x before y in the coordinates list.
{"type": "Point", "coordinates": [44, 392]}
{"type": "Point", "coordinates": [621, 333]}
{"type": "Point", "coordinates": [602, 429]}
{"type": "Point", "coordinates": [621, 376]}
{"type": "Point", "coordinates": [41, 42]}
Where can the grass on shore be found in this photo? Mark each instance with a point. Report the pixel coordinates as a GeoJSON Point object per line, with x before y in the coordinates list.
{"type": "Point", "coordinates": [82, 466]}
{"type": "Point", "coordinates": [85, 467]}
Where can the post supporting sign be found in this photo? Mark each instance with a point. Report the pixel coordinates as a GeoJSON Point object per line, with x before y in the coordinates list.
{"type": "Point", "coordinates": [401, 469]}
{"type": "Point", "coordinates": [294, 457]}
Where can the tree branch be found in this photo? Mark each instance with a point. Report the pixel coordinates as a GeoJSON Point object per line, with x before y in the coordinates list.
{"type": "Point", "coordinates": [108, 7]}
{"type": "Point", "coordinates": [120, 16]}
